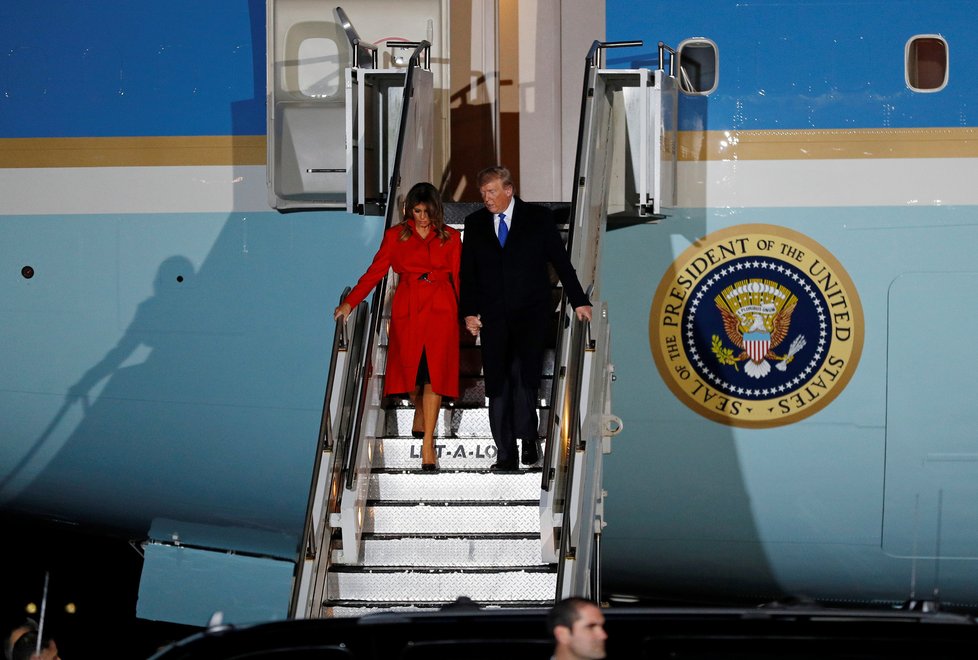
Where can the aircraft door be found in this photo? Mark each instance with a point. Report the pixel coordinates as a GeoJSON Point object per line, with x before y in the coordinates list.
{"type": "Point", "coordinates": [334, 98]}
{"type": "Point", "coordinates": [307, 54]}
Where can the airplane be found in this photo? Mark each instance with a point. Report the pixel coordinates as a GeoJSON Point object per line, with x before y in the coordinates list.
{"type": "Point", "coordinates": [168, 313]}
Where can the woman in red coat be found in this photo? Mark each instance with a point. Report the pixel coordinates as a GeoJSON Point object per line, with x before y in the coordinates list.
{"type": "Point", "coordinates": [422, 351]}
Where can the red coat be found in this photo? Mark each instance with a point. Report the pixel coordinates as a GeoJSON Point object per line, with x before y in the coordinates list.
{"type": "Point", "coordinates": [424, 313]}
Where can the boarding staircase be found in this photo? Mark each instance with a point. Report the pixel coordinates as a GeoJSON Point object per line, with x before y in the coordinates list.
{"type": "Point", "coordinates": [383, 535]}
{"type": "Point", "coordinates": [430, 537]}
{"type": "Point", "coordinates": [427, 538]}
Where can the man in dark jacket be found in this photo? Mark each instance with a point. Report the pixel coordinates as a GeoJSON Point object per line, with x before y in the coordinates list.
{"type": "Point", "coordinates": [505, 295]}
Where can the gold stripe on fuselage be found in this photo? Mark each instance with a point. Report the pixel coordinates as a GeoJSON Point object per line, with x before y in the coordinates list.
{"type": "Point", "coordinates": [133, 151]}
{"type": "Point", "coordinates": [790, 144]}
{"type": "Point", "coordinates": [798, 144]}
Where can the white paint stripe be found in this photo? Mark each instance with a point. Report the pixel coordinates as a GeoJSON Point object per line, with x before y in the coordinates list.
{"type": "Point", "coordinates": [222, 189]}
{"type": "Point", "coordinates": [712, 184]}
{"type": "Point", "coordinates": [849, 182]}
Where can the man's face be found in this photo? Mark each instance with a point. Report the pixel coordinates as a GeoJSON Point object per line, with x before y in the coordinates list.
{"type": "Point", "coordinates": [586, 637]}
{"type": "Point", "coordinates": [495, 195]}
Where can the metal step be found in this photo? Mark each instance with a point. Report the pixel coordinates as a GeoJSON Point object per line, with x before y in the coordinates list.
{"type": "Point", "coordinates": [437, 585]}
{"type": "Point", "coordinates": [470, 359]}
{"type": "Point", "coordinates": [469, 518]}
{"type": "Point", "coordinates": [442, 486]}
{"type": "Point", "coordinates": [356, 608]}
{"type": "Point", "coordinates": [453, 453]}
{"type": "Point", "coordinates": [469, 552]}
{"type": "Point", "coordinates": [452, 422]}
{"type": "Point", "coordinates": [467, 453]}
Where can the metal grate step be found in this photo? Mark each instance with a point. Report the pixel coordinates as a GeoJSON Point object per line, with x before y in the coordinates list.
{"type": "Point", "coordinates": [452, 422]}
{"type": "Point", "coordinates": [357, 608]}
{"type": "Point", "coordinates": [444, 486]}
{"type": "Point", "coordinates": [432, 585]}
{"type": "Point", "coordinates": [467, 453]}
{"type": "Point", "coordinates": [473, 551]}
{"type": "Point", "coordinates": [468, 518]}
{"type": "Point", "coordinates": [453, 453]}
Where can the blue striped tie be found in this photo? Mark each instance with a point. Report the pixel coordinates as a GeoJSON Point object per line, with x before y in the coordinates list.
{"type": "Point", "coordinates": [503, 229]}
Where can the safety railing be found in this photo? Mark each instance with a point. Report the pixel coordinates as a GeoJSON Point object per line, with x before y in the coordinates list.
{"type": "Point", "coordinates": [382, 293]}
{"type": "Point", "coordinates": [368, 415]}
{"type": "Point", "coordinates": [572, 466]}
{"type": "Point", "coordinates": [341, 373]}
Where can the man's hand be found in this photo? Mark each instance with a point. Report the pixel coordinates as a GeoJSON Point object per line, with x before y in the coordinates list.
{"type": "Point", "coordinates": [583, 313]}
{"type": "Point", "coordinates": [472, 324]}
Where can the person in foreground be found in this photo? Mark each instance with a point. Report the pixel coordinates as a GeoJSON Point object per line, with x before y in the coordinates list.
{"type": "Point", "coordinates": [578, 629]}
{"type": "Point", "coordinates": [21, 644]}
{"type": "Point", "coordinates": [506, 296]}
{"type": "Point", "coordinates": [423, 338]}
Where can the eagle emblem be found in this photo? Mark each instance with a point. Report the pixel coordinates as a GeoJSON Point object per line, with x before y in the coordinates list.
{"type": "Point", "coordinates": [756, 318]}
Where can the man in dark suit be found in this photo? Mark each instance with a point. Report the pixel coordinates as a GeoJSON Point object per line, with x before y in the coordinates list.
{"type": "Point", "coordinates": [505, 295]}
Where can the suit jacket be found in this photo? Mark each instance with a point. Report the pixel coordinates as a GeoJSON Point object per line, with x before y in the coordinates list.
{"type": "Point", "coordinates": [510, 287]}
{"type": "Point", "coordinates": [502, 281]}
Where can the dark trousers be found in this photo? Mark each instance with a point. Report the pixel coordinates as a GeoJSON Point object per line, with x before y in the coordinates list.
{"type": "Point", "coordinates": [513, 414]}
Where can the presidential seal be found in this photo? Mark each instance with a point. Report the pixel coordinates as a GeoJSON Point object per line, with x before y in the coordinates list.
{"type": "Point", "coordinates": [756, 326]}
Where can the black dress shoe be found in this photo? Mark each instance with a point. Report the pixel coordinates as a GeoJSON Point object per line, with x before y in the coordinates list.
{"type": "Point", "coordinates": [418, 434]}
{"type": "Point", "coordinates": [429, 467]}
{"type": "Point", "coordinates": [530, 454]}
{"type": "Point", "coordinates": [503, 466]}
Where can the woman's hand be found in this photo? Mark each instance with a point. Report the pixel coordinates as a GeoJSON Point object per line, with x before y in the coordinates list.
{"type": "Point", "coordinates": [342, 311]}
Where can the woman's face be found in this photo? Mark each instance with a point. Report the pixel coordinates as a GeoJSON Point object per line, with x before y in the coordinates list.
{"type": "Point", "coordinates": [420, 214]}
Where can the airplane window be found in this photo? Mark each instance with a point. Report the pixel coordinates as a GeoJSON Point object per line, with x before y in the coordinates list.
{"type": "Point", "coordinates": [319, 67]}
{"type": "Point", "coordinates": [926, 64]}
{"type": "Point", "coordinates": [699, 66]}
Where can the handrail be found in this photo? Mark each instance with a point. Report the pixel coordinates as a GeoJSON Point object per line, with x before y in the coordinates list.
{"type": "Point", "coordinates": [353, 446]}
{"type": "Point", "coordinates": [569, 492]}
{"type": "Point", "coordinates": [419, 47]}
{"type": "Point", "coordinates": [672, 58]}
{"type": "Point", "coordinates": [594, 53]}
{"type": "Point", "coordinates": [354, 351]}
{"type": "Point", "coordinates": [340, 343]}
{"type": "Point", "coordinates": [591, 63]}
{"type": "Point", "coordinates": [324, 443]}
{"type": "Point", "coordinates": [355, 41]}
{"type": "Point", "coordinates": [575, 372]}
{"type": "Point", "coordinates": [379, 300]}
{"type": "Point", "coordinates": [548, 472]}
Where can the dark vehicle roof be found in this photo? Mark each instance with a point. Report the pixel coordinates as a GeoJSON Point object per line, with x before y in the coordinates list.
{"type": "Point", "coordinates": [696, 634]}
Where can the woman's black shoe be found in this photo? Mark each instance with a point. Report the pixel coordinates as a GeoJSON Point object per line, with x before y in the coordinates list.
{"type": "Point", "coordinates": [429, 467]}
{"type": "Point", "coordinates": [418, 434]}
